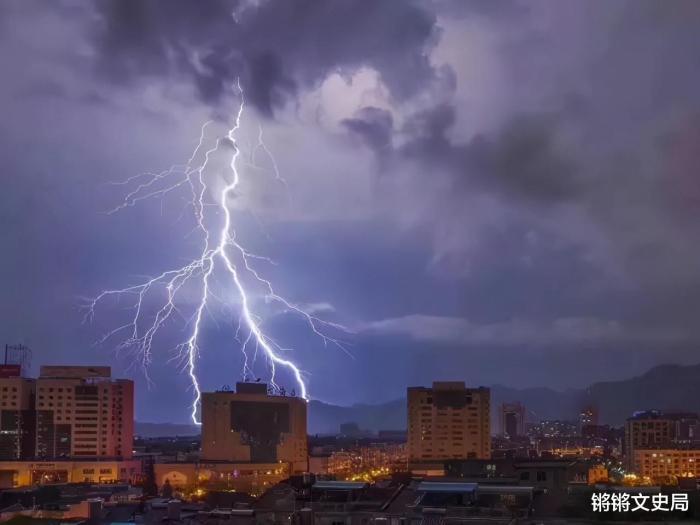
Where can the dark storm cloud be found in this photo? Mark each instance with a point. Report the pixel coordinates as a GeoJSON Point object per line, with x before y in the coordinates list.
{"type": "Point", "coordinates": [597, 151]}
{"type": "Point", "coordinates": [600, 119]}
{"type": "Point", "coordinates": [374, 126]}
{"type": "Point", "coordinates": [523, 159]}
{"type": "Point", "coordinates": [543, 154]}
{"type": "Point", "coordinates": [275, 48]}
{"type": "Point", "coordinates": [489, 8]}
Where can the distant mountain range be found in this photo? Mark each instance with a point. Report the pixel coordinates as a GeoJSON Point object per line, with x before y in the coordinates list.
{"type": "Point", "coordinates": [665, 387]}
{"type": "Point", "coordinates": [151, 430]}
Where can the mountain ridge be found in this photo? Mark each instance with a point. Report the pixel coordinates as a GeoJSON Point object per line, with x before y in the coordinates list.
{"type": "Point", "coordinates": [663, 387]}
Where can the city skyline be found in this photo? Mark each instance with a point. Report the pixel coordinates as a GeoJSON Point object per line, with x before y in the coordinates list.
{"type": "Point", "coordinates": [490, 192]}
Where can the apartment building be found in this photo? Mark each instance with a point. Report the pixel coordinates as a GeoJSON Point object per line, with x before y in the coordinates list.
{"type": "Point", "coordinates": [661, 464]}
{"type": "Point", "coordinates": [448, 421]}
{"type": "Point", "coordinates": [82, 412]}
{"type": "Point", "coordinates": [252, 426]}
{"type": "Point", "coordinates": [17, 414]}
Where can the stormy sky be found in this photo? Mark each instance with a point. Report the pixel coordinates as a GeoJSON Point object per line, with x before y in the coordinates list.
{"type": "Point", "coordinates": [494, 191]}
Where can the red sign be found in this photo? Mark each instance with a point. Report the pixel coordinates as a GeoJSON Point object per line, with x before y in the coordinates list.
{"type": "Point", "coordinates": [10, 370]}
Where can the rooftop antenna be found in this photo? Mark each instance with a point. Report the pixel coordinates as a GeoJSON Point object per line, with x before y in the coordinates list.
{"type": "Point", "coordinates": [18, 355]}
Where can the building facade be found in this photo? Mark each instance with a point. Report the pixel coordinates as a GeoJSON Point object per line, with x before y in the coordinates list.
{"type": "Point", "coordinates": [27, 473]}
{"type": "Point", "coordinates": [67, 412]}
{"type": "Point", "coordinates": [251, 478]}
{"type": "Point", "coordinates": [448, 421]}
{"type": "Point", "coordinates": [657, 430]}
{"type": "Point", "coordinates": [17, 414]}
{"type": "Point", "coordinates": [661, 464]}
{"type": "Point", "coordinates": [252, 426]}
{"type": "Point", "coordinates": [82, 412]}
{"type": "Point", "coordinates": [512, 419]}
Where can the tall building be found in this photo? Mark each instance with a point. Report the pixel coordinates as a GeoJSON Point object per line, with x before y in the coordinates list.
{"type": "Point", "coordinates": [448, 421]}
{"type": "Point", "coordinates": [81, 412]}
{"type": "Point", "coordinates": [512, 419]}
{"type": "Point", "coordinates": [75, 420]}
{"type": "Point", "coordinates": [657, 430]}
{"type": "Point", "coordinates": [687, 429]}
{"type": "Point", "coordinates": [252, 426]}
{"type": "Point", "coordinates": [17, 415]}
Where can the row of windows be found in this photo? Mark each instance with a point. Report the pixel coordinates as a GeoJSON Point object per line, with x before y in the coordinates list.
{"type": "Point", "coordinates": [102, 470]}
{"type": "Point", "coordinates": [540, 476]}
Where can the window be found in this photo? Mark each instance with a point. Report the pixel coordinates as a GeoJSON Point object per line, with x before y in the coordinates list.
{"type": "Point", "coordinates": [541, 476]}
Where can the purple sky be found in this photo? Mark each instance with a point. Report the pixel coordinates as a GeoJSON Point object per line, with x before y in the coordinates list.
{"type": "Point", "coordinates": [493, 191]}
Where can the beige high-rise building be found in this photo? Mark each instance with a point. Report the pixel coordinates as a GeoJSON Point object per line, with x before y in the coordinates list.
{"type": "Point", "coordinates": [17, 415]}
{"type": "Point", "coordinates": [252, 426]}
{"type": "Point", "coordinates": [82, 412]}
{"type": "Point", "coordinates": [448, 421]}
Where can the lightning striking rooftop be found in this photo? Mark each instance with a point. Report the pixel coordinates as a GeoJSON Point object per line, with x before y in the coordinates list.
{"type": "Point", "coordinates": [220, 251]}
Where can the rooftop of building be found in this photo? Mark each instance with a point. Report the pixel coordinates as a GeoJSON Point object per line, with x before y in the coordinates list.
{"type": "Point", "coordinates": [339, 485]}
{"type": "Point", "coordinates": [664, 415]}
{"type": "Point", "coordinates": [446, 486]}
{"type": "Point", "coordinates": [402, 495]}
{"type": "Point", "coordinates": [73, 372]}
{"type": "Point", "coordinates": [71, 460]}
{"type": "Point", "coordinates": [254, 388]}
{"type": "Point", "coordinates": [447, 385]}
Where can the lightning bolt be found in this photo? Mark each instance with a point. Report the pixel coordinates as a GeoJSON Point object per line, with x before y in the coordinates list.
{"type": "Point", "coordinates": [221, 250]}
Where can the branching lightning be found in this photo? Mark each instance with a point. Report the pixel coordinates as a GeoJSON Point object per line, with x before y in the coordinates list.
{"type": "Point", "coordinates": [220, 250]}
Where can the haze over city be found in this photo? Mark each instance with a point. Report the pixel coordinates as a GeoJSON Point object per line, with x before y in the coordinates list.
{"type": "Point", "coordinates": [492, 192]}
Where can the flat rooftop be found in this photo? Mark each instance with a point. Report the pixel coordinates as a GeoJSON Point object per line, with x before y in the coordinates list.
{"type": "Point", "coordinates": [340, 485]}
{"type": "Point", "coordinates": [447, 486]}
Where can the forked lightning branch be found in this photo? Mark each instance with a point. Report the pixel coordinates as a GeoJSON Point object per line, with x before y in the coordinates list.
{"type": "Point", "coordinates": [220, 250]}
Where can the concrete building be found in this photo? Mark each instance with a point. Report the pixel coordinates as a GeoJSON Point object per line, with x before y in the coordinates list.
{"type": "Point", "coordinates": [17, 414]}
{"type": "Point", "coordinates": [448, 421]}
{"type": "Point", "coordinates": [687, 429]}
{"type": "Point", "coordinates": [251, 440]}
{"type": "Point", "coordinates": [661, 464]}
{"type": "Point", "coordinates": [72, 424]}
{"type": "Point", "coordinates": [69, 411]}
{"type": "Point", "coordinates": [252, 426]}
{"type": "Point", "coordinates": [251, 478]}
{"type": "Point", "coordinates": [658, 430]}
{"type": "Point", "coordinates": [82, 412]}
{"type": "Point", "coordinates": [405, 501]}
{"type": "Point", "coordinates": [512, 419]}
{"type": "Point", "coordinates": [27, 473]}
{"type": "Point", "coordinates": [646, 430]}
